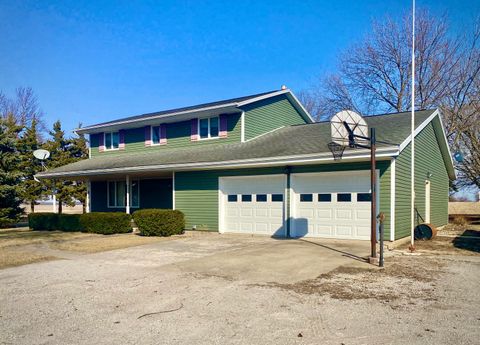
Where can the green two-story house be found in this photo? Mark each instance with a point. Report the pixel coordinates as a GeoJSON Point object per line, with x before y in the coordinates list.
{"type": "Point", "coordinates": [260, 165]}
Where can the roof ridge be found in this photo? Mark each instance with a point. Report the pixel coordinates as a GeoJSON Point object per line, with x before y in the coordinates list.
{"type": "Point", "coordinates": [187, 108]}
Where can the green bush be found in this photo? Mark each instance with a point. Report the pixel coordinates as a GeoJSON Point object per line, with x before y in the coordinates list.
{"type": "Point", "coordinates": [106, 223]}
{"type": "Point", "coordinates": [158, 222]}
{"type": "Point", "coordinates": [43, 221]}
{"type": "Point", "coordinates": [69, 222]}
{"type": "Point", "coordinates": [54, 221]}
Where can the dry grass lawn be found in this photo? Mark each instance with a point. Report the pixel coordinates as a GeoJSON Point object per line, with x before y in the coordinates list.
{"type": "Point", "coordinates": [23, 246]}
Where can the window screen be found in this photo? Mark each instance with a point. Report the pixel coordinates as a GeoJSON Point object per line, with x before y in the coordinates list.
{"type": "Point", "coordinates": [213, 127]}
{"type": "Point", "coordinates": [204, 128]}
{"type": "Point", "coordinates": [306, 197]}
{"type": "Point", "coordinates": [277, 197]}
{"type": "Point", "coordinates": [324, 197]}
{"type": "Point", "coordinates": [115, 140]}
{"type": "Point", "coordinates": [246, 197]}
{"type": "Point", "coordinates": [344, 197]}
{"type": "Point", "coordinates": [261, 197]}
{"type": "Point", "coordinates": [135, 193]}
{"type": "Point", "coordinates": [156, 135]}
{"type": "Point", "coordinates": [364, 197]}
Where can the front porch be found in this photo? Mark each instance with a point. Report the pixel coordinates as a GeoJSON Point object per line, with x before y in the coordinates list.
{"type": "Point", "coordinates": [128, 193]}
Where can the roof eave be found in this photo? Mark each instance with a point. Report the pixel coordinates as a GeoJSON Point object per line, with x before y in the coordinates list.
{"type": "Point", "coordinates": [319, 158]}
{"type": "Point", "coordinates": [444, 147]}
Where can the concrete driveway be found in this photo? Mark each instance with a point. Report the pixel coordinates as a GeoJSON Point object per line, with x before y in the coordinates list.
{"type": "Point", "coordinates": [223, 289]}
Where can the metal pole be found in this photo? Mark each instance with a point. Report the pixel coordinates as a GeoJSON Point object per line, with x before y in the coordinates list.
{"type": "Point", "coordinates": [412, 172]}
{"type": "Point", "coordinates": [373, 186]}
{"type": "Point", "coordinates": [381, 218]}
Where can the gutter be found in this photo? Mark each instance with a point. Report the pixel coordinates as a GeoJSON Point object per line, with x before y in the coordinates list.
{"type": "Point", "coordinates": [321, 158]}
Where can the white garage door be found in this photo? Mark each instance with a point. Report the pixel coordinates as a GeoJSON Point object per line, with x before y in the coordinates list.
{"type": "Point", "coordinates": [333, 204]}
{"type": "Point", "coordinates": [253, 204]}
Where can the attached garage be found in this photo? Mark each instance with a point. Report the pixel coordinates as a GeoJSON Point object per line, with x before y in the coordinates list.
{"type": "Point", "coordinates": [331, 204]}
{"type": "Point", "coordinates": [253, 204]}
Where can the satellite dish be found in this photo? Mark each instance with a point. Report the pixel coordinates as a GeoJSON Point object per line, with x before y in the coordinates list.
{"type": "Point", "coordinates": [41, 154]}
{"type": "Point", "coordinates": [356, 123]}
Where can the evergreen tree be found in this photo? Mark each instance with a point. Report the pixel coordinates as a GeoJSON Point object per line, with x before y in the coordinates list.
{"type": "Point", "coordinates": [60, 149]}
{"type": "Point", "coordinates": [10, 172]}
{"type": "Point", "coordinates": [31, 190]}
{"type": "Point", "coordinates": [79, 151]}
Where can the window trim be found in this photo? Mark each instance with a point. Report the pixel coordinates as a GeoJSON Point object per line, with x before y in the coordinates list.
{"type": "Point", "coordinates": [209, 128]}
{"type": "Point", "coordinates": [109, 147]}
{"type": "Point", "coordinates": [131, 194]}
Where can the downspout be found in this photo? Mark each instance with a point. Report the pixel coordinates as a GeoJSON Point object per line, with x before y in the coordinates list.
{"type": "Point", "coordinates": [287, 171]}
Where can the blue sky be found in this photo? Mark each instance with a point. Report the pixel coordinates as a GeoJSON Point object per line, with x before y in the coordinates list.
{"type": "Point", "coordinates": [90, 61]}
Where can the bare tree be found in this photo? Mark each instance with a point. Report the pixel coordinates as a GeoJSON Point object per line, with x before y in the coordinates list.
{"type": "Point", "coordinates": [374, 76]}
{"type": "Point", "coordinates": [23, 106]}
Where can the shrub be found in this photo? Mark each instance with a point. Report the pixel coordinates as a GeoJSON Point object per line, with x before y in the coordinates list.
{"type": "Point", "coordinates": [43, 221]}
{"type": "Point", "coordinates": [159, 222]}
{"type": "Point", "coordinates": [54, 221]}
{"type": "Point", "coordinates": [69, 222]}
{"type": "Point", "coordinates": [106, 223]}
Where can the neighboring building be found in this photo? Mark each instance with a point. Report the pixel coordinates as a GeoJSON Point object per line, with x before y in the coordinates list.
{"type": "Point", "coordinates": [259, 164]}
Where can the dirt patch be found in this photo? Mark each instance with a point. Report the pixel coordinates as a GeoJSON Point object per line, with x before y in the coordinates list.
{"type": "Point", "coordinates": [452, 240]}
{"type": "Point", "coordinates": [99, 243]}
{"type": "Point", "coordinates": [401, 278]}
{"type": "Point", "coordinates": [11, 256]}
{"type": "Point", "coordinates": [19, 247]}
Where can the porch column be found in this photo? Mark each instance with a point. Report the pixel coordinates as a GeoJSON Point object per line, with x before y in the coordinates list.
{"type": "Point", "coordinates": [88, 202]}
{"type": "Point", "coordinates": [127, 203]}
{"type": "Point", "coordinates": [54, 198]}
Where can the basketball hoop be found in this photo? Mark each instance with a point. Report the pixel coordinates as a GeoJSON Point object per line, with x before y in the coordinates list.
{"type": "Point", "coordinates": [336, 149]}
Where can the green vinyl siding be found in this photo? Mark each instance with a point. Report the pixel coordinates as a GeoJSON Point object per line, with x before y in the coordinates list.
{"type": "Point", "coordinates": [178, 135]}
{"type": "Point", "coordinates": [154, 193]}
{"type": "Point", "coordinates": [428, 159]}
{"type": "Point", "coordinates": [196, 192]}
{"type": "Point", "coordinates": [269, 114]}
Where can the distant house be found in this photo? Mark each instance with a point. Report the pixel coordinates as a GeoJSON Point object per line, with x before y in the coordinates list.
{"type": "Point", "coordinates": [260, 165]}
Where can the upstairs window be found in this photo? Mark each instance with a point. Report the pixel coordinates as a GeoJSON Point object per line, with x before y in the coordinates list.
{"type": "Point", "coordinates": [111, 140]}
{"type": "Point", "coordinates": [209, 127]}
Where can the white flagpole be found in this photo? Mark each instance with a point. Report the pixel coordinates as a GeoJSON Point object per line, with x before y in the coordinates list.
{"type": "Point", "coordinates": [412, 192]}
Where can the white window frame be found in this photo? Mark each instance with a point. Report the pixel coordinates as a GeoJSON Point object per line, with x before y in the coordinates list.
{"type": "Point", "coordinates": [110, 146]}
{"type": "Point", "coordinates": [151, 135]}
{"type": "Point", "coordinates": [209, 128]}
{"type": "Point", "coordinates": [131, 194]}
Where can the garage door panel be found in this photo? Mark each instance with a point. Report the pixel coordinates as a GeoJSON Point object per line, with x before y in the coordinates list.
{"type": "Point", "coordinates": [344, 214]}
{"type": "Point", "coordinates": [276, 212]}
{"type": "Point", "coordinates": [306, 213]}
{"type": "Point", "coordinates": [363, 231]}
{"type": "Point", "coordinates": [324, 230]}
{"type": "Point", "coordinates": [363, 214]}
{"type": "Point", "coordinates": [344, 230]}
{"type": "Point", "coordinates": [261, 212]}
{"type": "Point", "coordinates": [324, 214]}
{"type": "Point", "coordinates": [246, 212]}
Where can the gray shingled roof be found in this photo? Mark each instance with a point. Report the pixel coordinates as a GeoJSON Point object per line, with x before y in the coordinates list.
{"type": "Point", "coordinates": [286, 141]}
{"type": "Point", "coordinates": [184, 109]}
